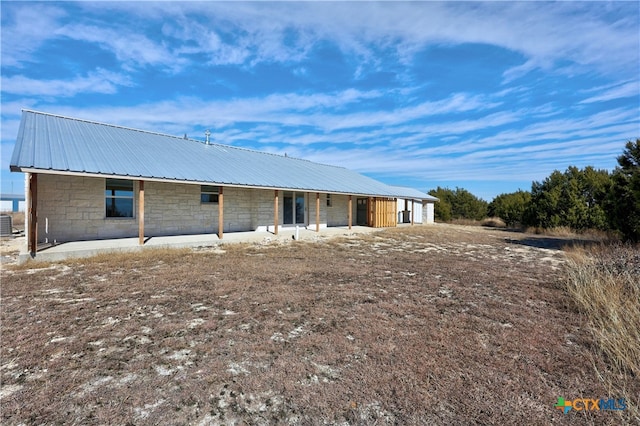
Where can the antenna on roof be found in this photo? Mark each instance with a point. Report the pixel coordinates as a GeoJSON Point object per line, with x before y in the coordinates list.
{"type": "Point", "coordinates": [207, 133]}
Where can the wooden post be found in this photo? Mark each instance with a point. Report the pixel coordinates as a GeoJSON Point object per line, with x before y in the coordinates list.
{"type": "Point", "coordinates": [317, 212]}
{"type": "Point", "coordinates": [371, 208]}
{"type": "Point", "coordinates": [220, 213]}
{"type": "Point", "coordinates": [350, 210]}
{"type": "Point", "coordinates": [275, 213]}
{"type": "Point", "coordinates": [395, 211]}
{"type": "Point", "coordinates": [141, 212]}
{"type": "Point", "coordinates": [412, 210]}
{"type": "Point", "coordinates": [33, 214]}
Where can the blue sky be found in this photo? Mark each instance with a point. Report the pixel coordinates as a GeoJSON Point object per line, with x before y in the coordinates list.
{"type": "Point", "coordinates": [483, 96]}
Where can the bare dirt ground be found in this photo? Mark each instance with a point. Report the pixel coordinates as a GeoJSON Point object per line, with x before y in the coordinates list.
{"type": "Point", "coordinates": [423, 325]}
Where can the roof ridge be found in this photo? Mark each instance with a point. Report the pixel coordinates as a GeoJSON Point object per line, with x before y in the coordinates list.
{"type": "Point", "coordinates": [116, 126]}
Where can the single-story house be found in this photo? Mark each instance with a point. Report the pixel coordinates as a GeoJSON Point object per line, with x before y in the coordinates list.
{"type": "Point", "coordinates": [87, 180]}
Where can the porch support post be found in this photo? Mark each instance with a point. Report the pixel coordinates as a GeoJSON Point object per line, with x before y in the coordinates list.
{"type": "Point", "coordinates": [350, 210]}
{"type": "Point", "coordinates": [141, 212]}
{"type": "Point", "coordinates": [317, 212]}
{"type": "Point", "coordinates": [412, 211]}
{"type": "Point", "coordinates": [32, 219]}
{"type": "Point", "coordinates": [371, 212]}
{"type": "Point", "coordinates": [395, 210]}
{"type": "Point", "coordinates": [220, 212]}
{"type": "Point", "coordinates": [275, 213]}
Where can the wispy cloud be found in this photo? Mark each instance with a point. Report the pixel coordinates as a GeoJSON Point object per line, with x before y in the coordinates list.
{"type": "Point", "coordinates": [343, 83]}
{"type": "Point", "coordinates": [25, 27]}
{"type": "Point", "coordinates": [99, 81]}
{"type": "Point", "coordinates": [628, 89]}
{"type": "Point", "coordinates": [546, 34]}
{"type": "Point", "coordinates": [129, 47]}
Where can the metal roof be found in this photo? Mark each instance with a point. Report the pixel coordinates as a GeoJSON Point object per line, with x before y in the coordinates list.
{"type": "Point", "coordinates": [52, 143]}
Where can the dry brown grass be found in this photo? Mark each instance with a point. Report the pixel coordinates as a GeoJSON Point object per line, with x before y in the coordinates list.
{"type": "Point", "coordinates": [466, 222]}
{"type": "Point", "coordinates": [17, 219]}
{"type": "Point", "coordinates": [490, 222]}
{"type": "Point", "coordinates": [604, 282]}
{"type": "Point", "coordinates": [422, 325]}
{"type": "Point", "coordinates": [567, 232]}
{"type": "Point", "coordinates": [494, 222]}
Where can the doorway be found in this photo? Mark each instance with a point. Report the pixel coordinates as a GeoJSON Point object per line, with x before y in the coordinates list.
{"type": "Point", "coordinates": [293, 209]}
{"type": "Point", "coordinates": [361, 211]}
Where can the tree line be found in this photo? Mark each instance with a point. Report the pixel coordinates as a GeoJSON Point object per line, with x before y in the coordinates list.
{"type": "Point", "coordinates": [577, 198]}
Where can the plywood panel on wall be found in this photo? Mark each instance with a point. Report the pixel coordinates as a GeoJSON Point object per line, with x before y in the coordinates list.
{"type": "Point", "coordinates": [382, 212]}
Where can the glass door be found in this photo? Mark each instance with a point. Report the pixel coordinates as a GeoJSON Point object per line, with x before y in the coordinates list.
{"type": "Point", "coordinates": [361, 211]}
{"type": "Point", "coordinates": [299, 208]}
{"type": "Point", "coordinates": [293, 208]}
{"type": "Point", "coordinates": [287, 213]}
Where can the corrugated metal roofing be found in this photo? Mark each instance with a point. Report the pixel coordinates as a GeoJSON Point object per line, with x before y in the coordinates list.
{"type": "Point", "coordinates": [48, 142]}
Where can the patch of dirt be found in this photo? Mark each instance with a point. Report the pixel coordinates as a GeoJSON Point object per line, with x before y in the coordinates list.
{"type": "Point", "coordinates": [10, 249]}
{"type": "Point", "coordinates": [422, 325]}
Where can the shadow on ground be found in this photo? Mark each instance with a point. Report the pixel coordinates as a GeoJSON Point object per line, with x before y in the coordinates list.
{"type": "Point", "coordinates": [552, 243]}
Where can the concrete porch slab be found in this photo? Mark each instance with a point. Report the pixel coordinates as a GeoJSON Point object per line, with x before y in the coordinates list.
{"type": "Point", "coordinates": [82, 249]}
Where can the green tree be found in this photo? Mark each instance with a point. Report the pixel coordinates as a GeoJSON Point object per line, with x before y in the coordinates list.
{"type": "Point", "coordinates": [442, 209]}
{"type": "Point", "coordinates": [595, 187]}
{"type": "Point", "coordinates": [458, 204]}
{"type": "Point", "coordinates": [625, 194]}
{"type": "Point", "coordinates": [544, 209]}
{"type": "Point", "coordinates": [465, 205]}
{"type": "Point", "coordinates": [510, 207]}
{"type": "Point", "coordinates": [576, 199]}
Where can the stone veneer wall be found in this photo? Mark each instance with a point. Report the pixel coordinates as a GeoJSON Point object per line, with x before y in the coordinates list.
{"type": "Point", "coordinates": [75, 210]}
{"type": "Point", "coordinates": [338, 213]}
{"type": "Point", "coordinates": [175, 209]}
{"type": "Point", "coordinates": [310, 210]}
{"type": "Point", "coordinates": [262, 209]}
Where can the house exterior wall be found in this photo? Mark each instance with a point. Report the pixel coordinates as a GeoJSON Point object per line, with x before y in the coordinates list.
{"type": "Point", "coordinates": [72, 208]}
{"type": "Point", "coordinates": [416, 213]}
{"type": "Point", "coordinates": [383, 212]}
{"type": "Point", "coordinates": [338, 213]}
{"type": "Point", "coordinates": [174, 209]}
{"type": "Point", "coordinates": [237, 212]}
{"type": "Point", "coordinates": [428, 215]}
{"type": "Point", "coordinates": [262, 209]}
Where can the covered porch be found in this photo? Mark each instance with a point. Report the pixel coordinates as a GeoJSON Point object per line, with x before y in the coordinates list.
{"type": "Point", "coordinates": [82, 249]}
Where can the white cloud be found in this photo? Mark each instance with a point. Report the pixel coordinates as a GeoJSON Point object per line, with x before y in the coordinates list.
{"type": "Point", "coordinates": [582, 36]}
{"type": "Point", "coordinates": [99, 81]}
{"type": "Point", "coordinates": [390, 131]}
{"type": "Point", "coordinates": [25, 27]}
{"type": "Point", "coordinates": [130, 47]}
{"type": "Point", "coordinates": [323, 112]}
{"type": "Point", "coordinates": [455, 149]}
{"type": "Point", "coordinates": [625, 90]}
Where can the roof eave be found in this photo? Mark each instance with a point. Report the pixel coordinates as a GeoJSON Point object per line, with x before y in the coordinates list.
{"type": "Point", "coordinates": [189, 182]}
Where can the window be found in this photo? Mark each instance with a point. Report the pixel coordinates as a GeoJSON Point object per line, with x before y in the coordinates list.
{"type": "Point", "coordinates": [209, 194]}
{"type": "Point", "coordinates": [329, 203]}
{"type": "Point", "coordinates": [119, 198]}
